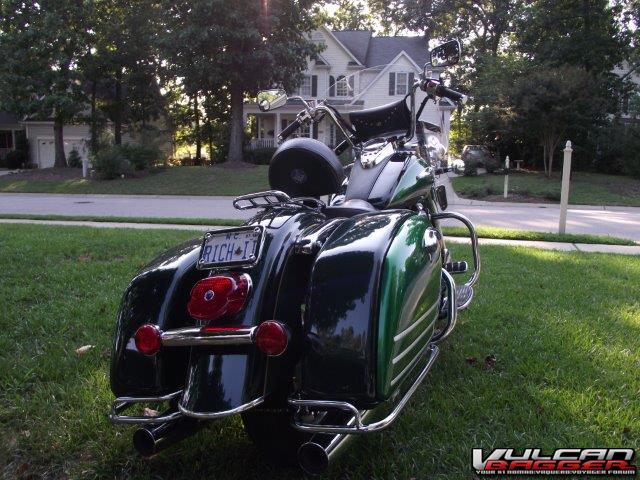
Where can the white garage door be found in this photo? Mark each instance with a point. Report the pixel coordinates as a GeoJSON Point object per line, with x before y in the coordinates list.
{"type": "Point", "coordinates": [47, 152]}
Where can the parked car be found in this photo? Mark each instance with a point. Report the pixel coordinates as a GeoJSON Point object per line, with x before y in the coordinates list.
{"type": "Point", "coordinates": [479, 153]}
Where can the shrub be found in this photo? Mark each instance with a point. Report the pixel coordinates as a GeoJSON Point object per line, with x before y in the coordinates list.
{"type": "Point", "coordinates": [111, 163]}
{"type": "Point", "coordinates": [139, 156]}
{"type": "Point", "coordinates": [259, 156]}
{"type": "Point", "coordinates": [470, 168]}
{"type": "Point", "coordinates": [492, 165]}
{"type": "Point", "coordinates": [16, 159]}
{"type": "Point", "coordinates": [74, 160]}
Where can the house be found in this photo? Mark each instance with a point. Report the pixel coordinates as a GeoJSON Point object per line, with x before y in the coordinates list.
{"type": "Point", "coordinates": [77, 136]}
{"type": "Point", "coordinates": [355, 71]}
{"type": "Point", "coordinates": [9, 130]}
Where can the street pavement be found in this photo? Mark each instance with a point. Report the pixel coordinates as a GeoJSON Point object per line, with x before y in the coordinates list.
{"type": "Point", "coordinates": [562, 246]}
{"type": "Point", "coordinates": [598, 220]}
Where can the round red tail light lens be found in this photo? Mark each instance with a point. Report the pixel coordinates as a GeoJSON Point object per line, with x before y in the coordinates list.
{"type": "Point", "coordinates": [272, 338]}
{"type": "Point", "coordinates": [219, 296]}
{"type": "Point", "coordinates": [148, 339]}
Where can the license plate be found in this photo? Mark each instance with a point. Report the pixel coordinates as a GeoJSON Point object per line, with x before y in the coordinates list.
{"type": "Point", "coordinates": [231, 247]}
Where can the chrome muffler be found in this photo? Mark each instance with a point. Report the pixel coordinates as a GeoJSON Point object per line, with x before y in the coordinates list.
{"type": "Point", "coordinates": [315, 456]}
{"type": "Point", "coordinates": [152, 439]}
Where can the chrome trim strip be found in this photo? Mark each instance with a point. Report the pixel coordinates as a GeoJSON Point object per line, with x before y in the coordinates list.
{"type": "Point", "coordinates": [191, 337]}
{"type": "Point", "coordinates": [402, 354]}
{"type": "Point", "coordinates": [452, 311]}
{"type": "Point", "coordinates": [225, 413]}
{"type": "Point", "coordinates": [410, 328]}
{"type": "Point", "coordinates": [359, 426]}
{"type": "Point", "coordinates": [120, 403]}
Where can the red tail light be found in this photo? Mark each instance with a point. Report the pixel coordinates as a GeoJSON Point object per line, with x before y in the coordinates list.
{"type": "Point", "coordinates": [148, 339]}
{"type": "Point", "coordinates": [272, 338]}
{"type": "Point", "coordinates": [218, 296]}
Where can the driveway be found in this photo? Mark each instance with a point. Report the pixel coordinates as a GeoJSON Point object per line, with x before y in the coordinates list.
{"type": "Point", "coordinates": [617, 221]}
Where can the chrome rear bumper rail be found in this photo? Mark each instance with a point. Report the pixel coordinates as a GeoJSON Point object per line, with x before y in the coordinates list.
{"type": "Point", "coordinates": [193, 337]}
{"type": "Point", "coordinates": [225, 413]}
{"type": "Point", "coordinates": [358, 426]}
{"type": "Point", "coordinates": [121, 403]}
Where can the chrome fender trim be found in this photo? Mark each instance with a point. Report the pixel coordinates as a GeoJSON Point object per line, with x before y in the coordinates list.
{"type": "Point", "coordinates": [225, 413]}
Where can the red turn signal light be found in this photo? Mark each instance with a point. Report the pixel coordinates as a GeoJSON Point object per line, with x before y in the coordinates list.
{"type": "Point", "coordinates": [272, 338]}
{"type": "Point", "coordinates": [218, 296]}
{"type": "Point", "coordinates": [148, 339]}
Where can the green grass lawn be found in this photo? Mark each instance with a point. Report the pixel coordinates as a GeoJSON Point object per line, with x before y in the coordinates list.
{"type": "Point", "coordinates": [586, 188]}
{"type": "Point", "coordinates": [564, 329]}
{"type": "Point", "coordinates": [170, 181]}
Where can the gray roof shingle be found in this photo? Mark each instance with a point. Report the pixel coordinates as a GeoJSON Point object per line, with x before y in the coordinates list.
{"type": "Point", "coordinates": [374, 51]}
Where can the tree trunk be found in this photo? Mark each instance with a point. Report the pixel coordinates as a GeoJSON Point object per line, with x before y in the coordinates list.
{"type": "Point", "coordinates": [196, 130]}
{"type": "Point", "coordinates": [544, 157]}
{"type": "Point", "coordinates": [235, 139]}
{"type": "Point", "coordinates": [94, 121]}
{"type": "Point", "coordinates": [58, 142]}
{"type": "Point", "coordinates": [117, 115]}
{"type": "Point", "coordinates": [550, 149]}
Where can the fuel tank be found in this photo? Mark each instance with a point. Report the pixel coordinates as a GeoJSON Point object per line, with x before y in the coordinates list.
{"type": "Point", "coordinates": [211, 380]}
{"type": "Point", "coordinates": [373, 298]}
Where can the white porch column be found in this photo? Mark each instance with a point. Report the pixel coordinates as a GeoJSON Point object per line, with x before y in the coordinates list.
{"type": "Point", "coordinates": [13, 139]}
{"type": "Point", "coordinates": [277, 130]}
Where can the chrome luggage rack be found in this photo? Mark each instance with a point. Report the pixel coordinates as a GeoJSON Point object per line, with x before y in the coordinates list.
{"type": "Point", "coordinates": [356, 422]}
{"type": "Point", "coordinates": [275, 198]}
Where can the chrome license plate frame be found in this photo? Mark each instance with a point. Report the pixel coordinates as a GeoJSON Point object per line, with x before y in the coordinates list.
{"type": "Point", "coordinates": [237, 234]}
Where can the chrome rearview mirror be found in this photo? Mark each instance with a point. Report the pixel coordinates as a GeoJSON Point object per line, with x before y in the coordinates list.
{"type": "Point", "coordinates": [271, 99]}
{"type": "Point", "coordinates": [446, 54]}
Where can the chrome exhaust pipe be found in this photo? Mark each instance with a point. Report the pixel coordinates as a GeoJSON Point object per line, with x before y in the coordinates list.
{"type": "Point", "coordinates": [316, 455]}
{"type": "Point", "coordinates": [150, 440]}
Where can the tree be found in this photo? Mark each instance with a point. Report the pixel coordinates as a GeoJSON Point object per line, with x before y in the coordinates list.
{"type": "Point", "coordinates": [42, 44]}
{"type": "Point", "coordinates": [237, 45]}
{"type": "Point", "coordinates": [348, 15]}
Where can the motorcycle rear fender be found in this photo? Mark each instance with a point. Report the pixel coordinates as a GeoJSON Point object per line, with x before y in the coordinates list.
{"type": "Point", "coordinates": [373, 298]}
{"type": "Point", "coordinates": [212, 380]}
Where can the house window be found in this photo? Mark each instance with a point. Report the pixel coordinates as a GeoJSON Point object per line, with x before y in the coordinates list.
{"type": "Point", "coordinates": [402, 80]}
{"type": "Point", "coordinates": [302, 131]}
{"type": "Point", "coordinates": [304, 90]}
{"type": "Point", "coordinates": [342, 86]}
{"type": "Point", "coordinates": [6, 139]}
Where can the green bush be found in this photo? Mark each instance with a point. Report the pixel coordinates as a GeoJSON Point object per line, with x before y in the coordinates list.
{"type": "Point", "coordinates": [140, 157]}
{"type": "Point", "coordinates": [492, 165]}
{"type": "Point", "coordinates": [16, 159]}
{"type": "Point", "coordinates": [73, 159]}
{"type": "Point", "coordinates": [259, 156]}
{"type": "Point", "coordinates": [470, 168]}
{"type": "Point", "coordinates": [111, 163]}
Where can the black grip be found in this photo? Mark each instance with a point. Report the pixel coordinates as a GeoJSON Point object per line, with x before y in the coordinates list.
{"type": "Point", "coordinates": [292, 127]}
{"type": "Point", "coordinates": [443, 91]}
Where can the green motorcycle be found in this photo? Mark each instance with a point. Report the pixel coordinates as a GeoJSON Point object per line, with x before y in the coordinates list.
{"type": "Point", "coordinates": [320, 317]}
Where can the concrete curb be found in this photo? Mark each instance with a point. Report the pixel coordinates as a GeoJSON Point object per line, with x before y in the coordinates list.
{"type": "Point", "coordinates": [560, 246]}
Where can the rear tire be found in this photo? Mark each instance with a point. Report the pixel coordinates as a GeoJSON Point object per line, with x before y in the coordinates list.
{"type": "Point", "coordinates": [273, 434]}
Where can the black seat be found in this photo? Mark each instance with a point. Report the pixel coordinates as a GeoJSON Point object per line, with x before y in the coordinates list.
{"type": "Point", "coordinates": [373, 122]}
{"type": "Point", "coordinates": [349, 208]}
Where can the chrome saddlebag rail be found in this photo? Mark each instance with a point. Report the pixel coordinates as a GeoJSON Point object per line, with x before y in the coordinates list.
{"type": "Point", "coordinates": [474, 241]}
{"type": "Point", "coordinates": [356, 424]}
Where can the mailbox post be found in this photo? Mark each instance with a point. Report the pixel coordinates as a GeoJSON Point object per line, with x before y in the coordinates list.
{"type": "Point", "coordinates": [506, 176]}
{"type": "Point", "coordinates": [564, 194]}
